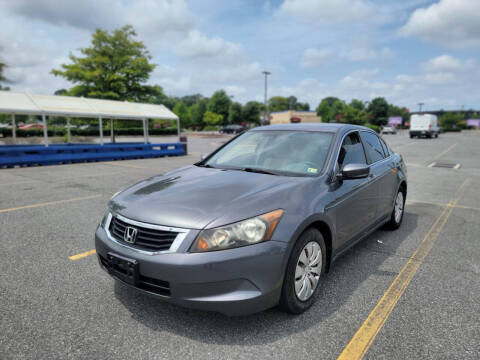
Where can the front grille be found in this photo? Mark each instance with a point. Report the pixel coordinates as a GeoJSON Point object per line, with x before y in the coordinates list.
{"type": "Point", "coordinates": [146, 239]}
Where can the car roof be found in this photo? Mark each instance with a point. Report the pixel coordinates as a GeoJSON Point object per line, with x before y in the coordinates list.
{"type": "Point", "coordinates": [328, 127]}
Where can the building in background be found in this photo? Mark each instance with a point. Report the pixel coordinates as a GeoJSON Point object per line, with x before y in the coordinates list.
{"type": "Point", "coordinates": [293, 116]}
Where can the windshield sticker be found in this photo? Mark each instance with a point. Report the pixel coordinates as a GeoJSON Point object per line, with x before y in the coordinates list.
{"type": "Point", "coordinates": [312, 170]}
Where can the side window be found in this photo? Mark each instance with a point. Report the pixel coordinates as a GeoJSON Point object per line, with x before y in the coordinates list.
{"type": "Point", "coordinates": [351, 151]}
{"type": "Point", "coordinates": [372, 146]}
{"type": "Point", "coordinates": [386, 150]}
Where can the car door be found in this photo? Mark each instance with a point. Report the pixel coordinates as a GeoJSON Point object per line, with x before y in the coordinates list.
{"type": "Point", "coordinates": [355, 199]}
{"type": "Point", "coordinates": [381, 171]}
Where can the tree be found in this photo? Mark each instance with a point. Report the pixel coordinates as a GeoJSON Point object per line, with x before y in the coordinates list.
{"type": "Point", "coordinates": [251, 112]}
{"type": "Point", "coordinates": [450, 120]}
{"type": "Point", "coordinates": [329, 109]}
{"type": "Point", "coordinates": [2, 77]}
{"type": "Point", "coordinates": [212, 119]}
{"type": "Point", "coordinates": [115, 66]}
{"type": "Point", "coordinates": [354, 116]}
{"type": "Point", "coordinates": [219, 103]}
{"type": "Point", "coordinates": [235, 113]}
{"type": "Point", "coordinates": [61, 92]}
{"type": "Point", "coordinates": [279, 103]}
{"type": "Point", "coordinates": [357, 104]}
{"type": "Point", "coordinates": [378, 107]}
{"type": "Point", "coordinates": [189, 100]}
{"type": "Point", "coordinates": [181, 110]}
{"type": "Point", "coordinates": [197, 110]}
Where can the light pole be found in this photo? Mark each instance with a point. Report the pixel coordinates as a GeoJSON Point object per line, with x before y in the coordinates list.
{"type": "Point", "coordinates": [420, 104]}
{"type": "Point", "coordinates": [266, 115]}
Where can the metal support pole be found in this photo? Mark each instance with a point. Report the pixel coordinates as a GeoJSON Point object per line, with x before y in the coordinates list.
{"type": "Point", "coordinates": [267, 117]}
{"type": "Point", "coordinates": [144, 131]}
{"type": "Point", "coordinates": [146, 128]}
{"type": "Point", "coordinates": [14, 129]}
{"type": "Point", "coordinates": [178, 128]}
{"type": "Point", "coordinates": [69, 134]}
{"type": "Point", "coordinates": [100, 127]}
{"type": "Point", "coordinates": [45, 132]}
{"type": "Point", "coordinates": [112, 135]}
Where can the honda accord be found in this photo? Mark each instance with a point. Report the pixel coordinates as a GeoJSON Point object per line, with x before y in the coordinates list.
{"type": "Point", "coordinates": [258, 222]}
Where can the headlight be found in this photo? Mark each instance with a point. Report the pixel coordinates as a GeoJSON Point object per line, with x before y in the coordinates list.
{"type": "Point", "coordinates": [103, 223]}
{"type": "Point", "coordinates": [246, 232]}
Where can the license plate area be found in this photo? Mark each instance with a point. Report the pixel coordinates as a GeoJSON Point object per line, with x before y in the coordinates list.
{"type": "Point", "coordinates": [123, 268]}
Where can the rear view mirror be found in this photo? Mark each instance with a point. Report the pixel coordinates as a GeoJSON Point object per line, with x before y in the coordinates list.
{"type": "Point", "coordinates": [355, 171]}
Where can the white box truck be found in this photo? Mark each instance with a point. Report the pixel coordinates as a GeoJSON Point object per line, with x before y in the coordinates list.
{"type": "Point", "coordinates": [424, 125]}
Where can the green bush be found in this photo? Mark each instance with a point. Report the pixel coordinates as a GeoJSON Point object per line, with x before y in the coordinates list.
{"type": "Point", "coordinates": [57, 131]}
{"type": "Point", "coordinates": [211, 128]}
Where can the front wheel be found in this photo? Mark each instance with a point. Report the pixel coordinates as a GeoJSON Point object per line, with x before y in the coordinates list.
{"type": "Point", "coordinates": [304, 271]}
{"type": "Point", "coordinates": [398, 210]}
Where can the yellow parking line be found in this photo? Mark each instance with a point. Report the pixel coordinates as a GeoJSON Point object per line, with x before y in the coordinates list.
{"type": "Point", "coordinates": [366, 334]}
{"type": "Point", "coordinates": [443, 204]}
{"type": "Point", "coordinates": [49, 203]}
{"type": "Point", "coordinates": [82, 255]}
{"type": "Point", "coordinates": [451, 147]}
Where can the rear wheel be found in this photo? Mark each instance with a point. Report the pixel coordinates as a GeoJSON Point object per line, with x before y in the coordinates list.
{"type": "Point", "coordinates": [304, 270]}
{"type": "Point", "coordinates": [398, 209]}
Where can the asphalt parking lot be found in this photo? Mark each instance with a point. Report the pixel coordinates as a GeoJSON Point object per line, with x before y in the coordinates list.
{"type": "Point", "coordinates": [52, 306]}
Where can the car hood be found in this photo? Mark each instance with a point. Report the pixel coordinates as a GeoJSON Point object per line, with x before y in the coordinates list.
{"type": "Point", "coordinates": [196, 197]}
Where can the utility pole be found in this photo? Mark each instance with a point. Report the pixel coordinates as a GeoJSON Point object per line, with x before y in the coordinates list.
{"type": "Point", "coordinates": [420, 104]}
{"type": "Point", "coordinates": [266, 114]}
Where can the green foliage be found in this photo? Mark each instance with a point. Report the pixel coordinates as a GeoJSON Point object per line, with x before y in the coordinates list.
{"type": "Point", "coordinates": [330, 108]}
{"type": "Point", "coordinates": [211, 128]}
{"type": "Point", "coordinates": [197, 110]}
{"type": "Point", "coordinates": [378, 108]}
{"type": "Point", "coordinates": [61, 92]}
{"type": "Point", "coordinates": [189, 100]}
{"type": "Point", "coordinates": [354, 116]}
{"type": "Point", "coordinates": [235, 113]}
{"type": "Point", "coordinates": [115, 66]}
{"type": "Point", "coordinates": [182, 111]}
{"type": "Point", "coordinates": [251, 112]}
{"type": "Point", "coordinates": [219, 103]}
{"type": "Point", "coordinates": [449, 121]}
{"type": "Point", "coordinates": [57, 131]}
{"type": "Point", "coordinates": [357, 104]}
{"type": "Point", "coordinates": [280, 103]}
{"type": "Point", "coordinates": [212, 119]}
{"type": "Point", "coordinates": [2, 77]}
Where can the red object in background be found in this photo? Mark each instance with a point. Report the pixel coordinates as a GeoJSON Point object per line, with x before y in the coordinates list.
{"type": "Point", "coordinates": [294, 119]}
{"type": "Point", "coordinates": [31, 126]}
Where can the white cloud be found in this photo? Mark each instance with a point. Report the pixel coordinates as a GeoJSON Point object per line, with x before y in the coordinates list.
{"type": "Point", "coordinates": [146, 15]}
{"type": "Point", "coordinates": [448, 63]}
{"type": "Point", "coordinates": [197, 45]}
{"type": "Point", "coordinates": [315, 57]}
{"type": "Point", "coordinates": [453, 23]}
{"type": "Point", "coordinates": [321, 11]}
{"type": "Point", "coordinates": [367, 54]}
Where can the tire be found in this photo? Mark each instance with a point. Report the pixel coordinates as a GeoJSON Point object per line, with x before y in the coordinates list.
{"type": "Point", "coordinates": [395, 221]}
{"type": "Point", "coordinates": [411, 136]}
{"type": "Point", "coordinates": [436, 135]}
{"type": "Point", "coordinates": [290, 301]}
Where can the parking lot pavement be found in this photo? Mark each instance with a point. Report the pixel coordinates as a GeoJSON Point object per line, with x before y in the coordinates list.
{"type": "Point", "coordinates": [55, 307]}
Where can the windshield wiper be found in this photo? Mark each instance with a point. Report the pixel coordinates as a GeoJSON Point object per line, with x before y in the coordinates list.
{"type": "Point", "coordinates": [258, 171]}
{"type": "Point", "coordinates": [205, 165]}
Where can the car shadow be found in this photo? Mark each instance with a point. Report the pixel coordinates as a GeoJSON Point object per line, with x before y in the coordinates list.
{"type": "Point", "coordinates": [346, 275]}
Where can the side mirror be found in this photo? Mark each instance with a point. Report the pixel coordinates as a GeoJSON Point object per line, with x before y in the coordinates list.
{"type": "Point", "coordinates": [355, 171]}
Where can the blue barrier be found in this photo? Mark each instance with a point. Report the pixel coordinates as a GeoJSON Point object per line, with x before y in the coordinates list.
{"type": "Point", "coordinates": [31, 155]}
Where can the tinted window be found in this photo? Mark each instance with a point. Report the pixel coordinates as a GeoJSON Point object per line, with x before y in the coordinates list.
{"type": "Point", "coordinates": [372, 146]}
{"type": "Point", "coordinates": [351, 151]}
{"type": "Point", "coordinates": [385, 148]}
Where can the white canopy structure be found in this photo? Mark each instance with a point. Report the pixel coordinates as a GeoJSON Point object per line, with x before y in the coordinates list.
{"type": "Point", "coordinates": [67, 106]}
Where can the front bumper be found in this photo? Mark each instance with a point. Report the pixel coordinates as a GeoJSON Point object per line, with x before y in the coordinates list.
{"type": "Point", "coordinates": [234, 282]}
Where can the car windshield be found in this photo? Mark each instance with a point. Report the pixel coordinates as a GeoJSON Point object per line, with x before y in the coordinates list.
{"type": "Point", "coordinates": [300, 153]}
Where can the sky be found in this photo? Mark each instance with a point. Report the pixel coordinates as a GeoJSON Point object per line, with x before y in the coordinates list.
{"type": "Point", "coordinates": [407, 51]}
